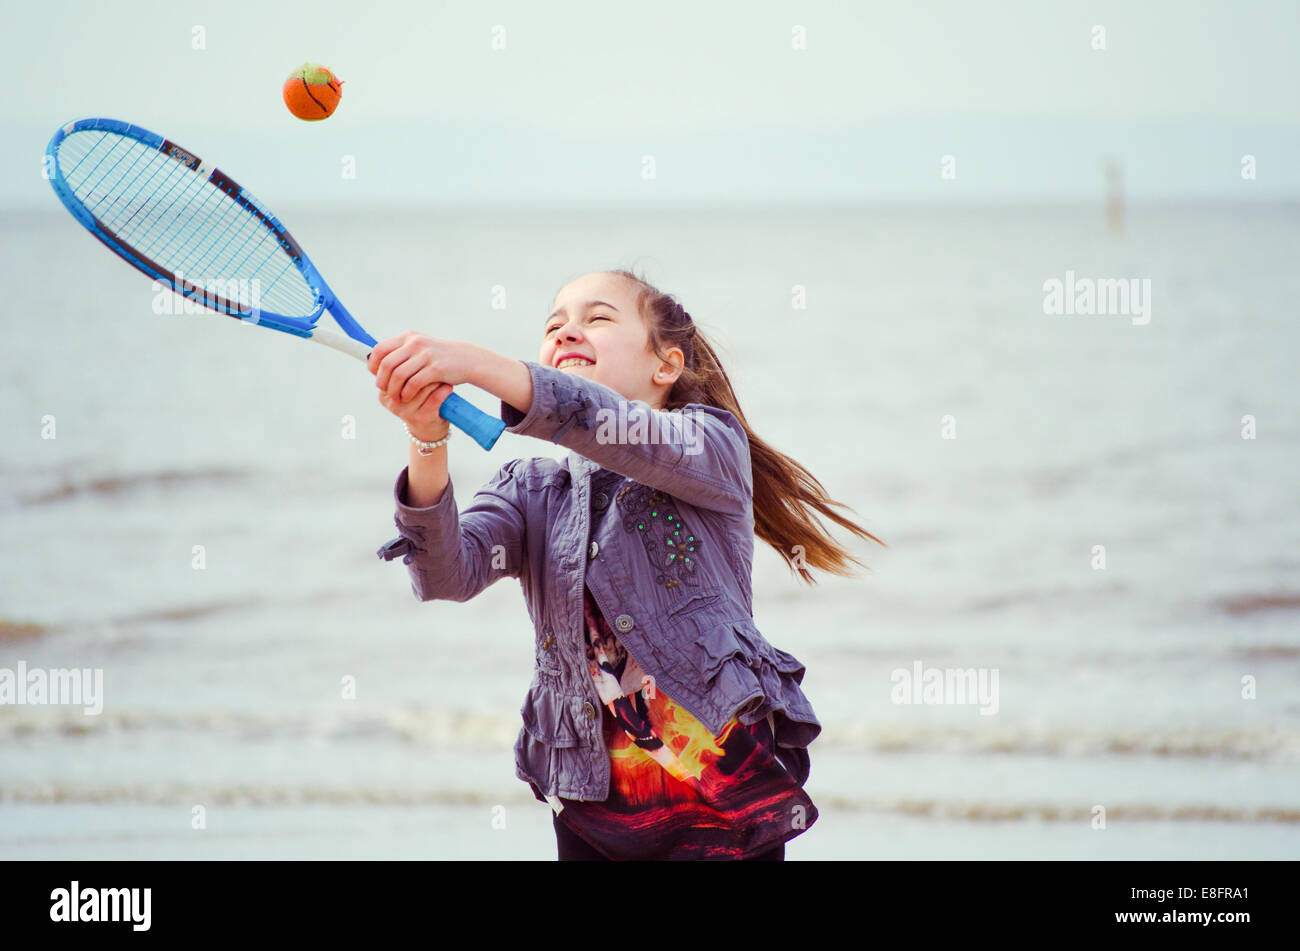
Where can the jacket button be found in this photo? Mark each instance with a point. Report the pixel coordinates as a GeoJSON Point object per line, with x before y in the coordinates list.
{"type": "Point", "coordinates": [601, 501]}
{"type": "Point", "coordinates": [624, 623]}
{"type": "Point", "coordinates": [588, 710]}
{"type": "Point", "coordinates": [591, 552]}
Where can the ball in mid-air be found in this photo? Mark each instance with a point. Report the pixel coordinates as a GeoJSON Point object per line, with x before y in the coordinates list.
{"type": "Point", "coordinates": [312, 92]}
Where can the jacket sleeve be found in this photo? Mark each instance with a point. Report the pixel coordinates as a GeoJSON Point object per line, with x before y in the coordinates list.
{"type": "Point", "coordinates": [453, 555]}
{"type": "Point", "coordinates": [699, 454]}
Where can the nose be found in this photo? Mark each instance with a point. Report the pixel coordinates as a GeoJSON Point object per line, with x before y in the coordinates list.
{"type": "Point", "coordinates": [566, 333]}
{"type": "Point", "coordinates": [569, 331]}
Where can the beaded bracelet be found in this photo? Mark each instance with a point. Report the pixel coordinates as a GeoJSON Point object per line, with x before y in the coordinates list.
{"type": "Point", "coordinates": [427, 448]}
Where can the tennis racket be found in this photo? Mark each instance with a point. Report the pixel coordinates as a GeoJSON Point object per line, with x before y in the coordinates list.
{"type": "Point", "coordinates": [190, 226]}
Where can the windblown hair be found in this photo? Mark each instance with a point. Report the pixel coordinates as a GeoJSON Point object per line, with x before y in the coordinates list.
{"type": "Point", "coordinates": [787, 497]}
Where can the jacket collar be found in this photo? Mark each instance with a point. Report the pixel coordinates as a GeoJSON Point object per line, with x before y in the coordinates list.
{"type": "Point", "coordinates": [579, 466]}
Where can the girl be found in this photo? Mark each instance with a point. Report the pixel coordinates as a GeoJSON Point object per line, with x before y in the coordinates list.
{"type": "Point", "coordinates": [660, 724]}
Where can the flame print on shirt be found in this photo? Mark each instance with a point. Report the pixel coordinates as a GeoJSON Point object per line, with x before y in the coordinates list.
{"type": "Point", "coordinates": [625, 689]}
{"type": "Point", "coordinates": [676, 790]}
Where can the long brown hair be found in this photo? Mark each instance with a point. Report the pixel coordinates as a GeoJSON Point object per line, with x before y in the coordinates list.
{"type": "Point", "coordinates": [786, 495]}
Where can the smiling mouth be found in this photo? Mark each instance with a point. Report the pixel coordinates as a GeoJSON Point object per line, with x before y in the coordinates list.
{"type": "Point", "coordinates": [574, 362]}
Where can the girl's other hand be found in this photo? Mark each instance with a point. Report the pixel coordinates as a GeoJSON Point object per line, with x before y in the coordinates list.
{"type": "Point", "coordinates": [421, 412]}
{"type": "Point", "coordinates": [415, 374]}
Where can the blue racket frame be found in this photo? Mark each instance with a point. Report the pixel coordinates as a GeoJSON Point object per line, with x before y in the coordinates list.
{"type": "Point", "coordinates": [480, 426]}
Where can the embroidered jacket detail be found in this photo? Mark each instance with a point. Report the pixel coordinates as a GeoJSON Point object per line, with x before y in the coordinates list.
{"type": "Point", "coordinates": [672, 547]}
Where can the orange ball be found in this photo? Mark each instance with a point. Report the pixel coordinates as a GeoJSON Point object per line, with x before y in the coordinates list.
{"type": "Point", "coordinates": [312, 92]}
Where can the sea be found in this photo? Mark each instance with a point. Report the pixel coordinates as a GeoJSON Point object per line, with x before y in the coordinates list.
{"type": "Point", "coordinates": [1095, 510]}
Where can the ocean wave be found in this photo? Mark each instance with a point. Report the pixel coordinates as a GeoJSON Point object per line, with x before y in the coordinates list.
{"type": "Point", "coordinates": [468, 730]}
{"type": "Point", "coordinates": [263, 795]}
{"type": "Point", "coordinates": [1267, 652]}
{"type": "Point", "coordinates": [13, 631]}
{"type": "Point", "coordinates": [117, 484]}
{"type": "Point", "coordinates": [1067, 814]}
{"type": "Point", "coordinates": [1054, 597]}
{"type": "Point", "coordinates": [451, 729]}
{"type": "Point", "coordinates": [1246, 604]}
{"type": "Point", "coordinates": [1198, 743]}
{"type": "Point", "coordinates": [243, 794]}
{"type": "Point", "coordinates": [188, 612]}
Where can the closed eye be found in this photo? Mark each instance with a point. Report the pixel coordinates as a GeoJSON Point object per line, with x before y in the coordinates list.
{"type": "Point", "coordinates": [551, 329]}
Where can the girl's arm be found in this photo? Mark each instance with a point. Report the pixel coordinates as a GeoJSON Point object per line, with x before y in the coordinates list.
{"type": "Point", "coordinates": [700, 456]}
{"type": "Point", "coordinates": [428, 476]}
{"type": "Point", "coordinates": [452, 554]}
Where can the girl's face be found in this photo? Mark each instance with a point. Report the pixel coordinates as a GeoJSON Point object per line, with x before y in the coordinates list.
{"type": "Point", "coordinates": [595, 331]}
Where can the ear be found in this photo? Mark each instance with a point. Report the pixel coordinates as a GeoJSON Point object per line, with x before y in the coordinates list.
{"type": "Point", "coordinates": [668, 371]}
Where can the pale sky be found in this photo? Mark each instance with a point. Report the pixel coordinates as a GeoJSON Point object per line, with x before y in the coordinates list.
{"type": "Point", "coordinates": [715, 92]}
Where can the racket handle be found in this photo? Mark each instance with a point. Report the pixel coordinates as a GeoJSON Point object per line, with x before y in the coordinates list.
{"type": "Point", "coordinates": [478, 425]}
{"type": "Point", "coordinates": [462, 414]}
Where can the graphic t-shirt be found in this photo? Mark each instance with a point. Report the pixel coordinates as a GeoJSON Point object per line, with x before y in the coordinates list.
{"type": "Point", "coordinates": [677, 791]}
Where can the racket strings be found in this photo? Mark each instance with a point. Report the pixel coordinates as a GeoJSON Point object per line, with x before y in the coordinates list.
{"type": "Point", "coordinates": [152, 164]}
{"type": "Point", "coordinates": [173, 215]}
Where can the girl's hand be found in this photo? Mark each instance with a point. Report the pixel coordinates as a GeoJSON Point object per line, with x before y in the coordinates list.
{"type": "Point", "coordinates": [421, 413]}
{"type": "Point", "coordinates": [414, 374]}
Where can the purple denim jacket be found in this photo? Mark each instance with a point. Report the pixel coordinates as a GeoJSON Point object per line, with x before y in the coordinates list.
{"type": "Point", "coordinates": [668, 560]}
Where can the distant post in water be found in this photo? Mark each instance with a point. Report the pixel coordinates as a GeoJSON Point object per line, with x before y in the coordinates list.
{"type": "Point", "coordinates": [1114, 197]}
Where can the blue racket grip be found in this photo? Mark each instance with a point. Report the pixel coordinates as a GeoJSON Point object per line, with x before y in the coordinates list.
{"type": "Point", "coordinates": [478, 425]}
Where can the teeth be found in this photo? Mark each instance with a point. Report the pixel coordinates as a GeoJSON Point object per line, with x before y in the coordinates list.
{"type": "Point", "coordinates": [574, 362]}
